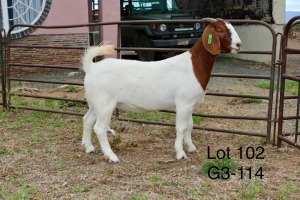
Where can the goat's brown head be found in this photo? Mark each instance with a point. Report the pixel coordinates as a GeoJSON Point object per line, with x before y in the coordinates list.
{"type": "Point", "coordinates": [220, 36]}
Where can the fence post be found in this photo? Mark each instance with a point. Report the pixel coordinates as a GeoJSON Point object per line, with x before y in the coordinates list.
{"type": "Point", "coordinates": [3, 67]}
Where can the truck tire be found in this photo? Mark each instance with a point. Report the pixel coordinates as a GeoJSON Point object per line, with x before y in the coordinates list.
{"type": "Point", "coordinates": [143, 41]}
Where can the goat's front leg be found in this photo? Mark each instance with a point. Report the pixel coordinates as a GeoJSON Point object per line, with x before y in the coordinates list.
{"type": "Point", "coordinates": [89, 121]}
{"type": "Point", "coordinates": [183, 114]}
{"type": "Point", "coordinates": [188, 136]}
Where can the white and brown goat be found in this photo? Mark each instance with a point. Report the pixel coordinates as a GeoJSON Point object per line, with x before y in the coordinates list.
{"type": "Point", "coordinates": [136, 86]}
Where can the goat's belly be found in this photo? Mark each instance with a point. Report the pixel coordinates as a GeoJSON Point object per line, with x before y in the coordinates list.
{"type": "Point", "coordinates": [132, 108]}
{"type": "Point", "coordinates": [142, 108]}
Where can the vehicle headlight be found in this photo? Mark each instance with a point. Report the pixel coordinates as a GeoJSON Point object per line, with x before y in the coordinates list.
{"type": "Point", "coordinates": [162, 27]}
{"type": "Point", "coordinates": [197, 26]}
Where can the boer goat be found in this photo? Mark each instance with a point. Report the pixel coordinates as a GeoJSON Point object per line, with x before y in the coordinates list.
{"type": "Point", "coordinates": [136, 86]}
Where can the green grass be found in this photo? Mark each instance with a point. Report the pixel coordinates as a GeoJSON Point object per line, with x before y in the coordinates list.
{"type": "Point", "coordinates": [72, 89]}
{"type": "Point", "coordinates": [83, 188]}
{"type": "Point", "coordinates": [160, 116]}
{"type": "Point", "coordinates": [9, 191]}
{"type": "Point", "coordinates": [290, 86]}
{"type": "Point", "coordinates": [250, 190]}
{"type": "Point", "coordinates": [217, 166]}
{"type": "Point", "coordinates": [38, 120]}
{"type": "Point", "coordinates": [111, 198]}
{"type": "Point", "coordinates": [37, 125]}
{"type": "Point", "coordinates": [195, 191]}
{"type": "Point", "coordinates": [286, 191]}
{"type": "Point", "coordinates": [249, 100]}
{"type": "Point", "coordinates": [49, 104]}
{"type": "Point", "coordinates": [61, 163]}
{"type": "Point", "coordinates": [252, 100]}
{"type": "Point", "coordinates": [155, 179]}
{"type": "Point", "coordinates": [264, 85]}
{"type": "Point", "coordinates": [3, 151]}
{"type": "Point", "coordinates": [139, 197]}
{"type": "Point", "coordinates": [107, 173]}
{"type": "Point", "coordinates": [153, 116]}
{"type": "Point", "coordinates": [198, 120]}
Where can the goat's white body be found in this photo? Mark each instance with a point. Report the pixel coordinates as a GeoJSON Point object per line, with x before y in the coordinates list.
{"type": "Point", "coordinates": [139, 87]}
{"type": "Point", "coordinates": [144, 86]}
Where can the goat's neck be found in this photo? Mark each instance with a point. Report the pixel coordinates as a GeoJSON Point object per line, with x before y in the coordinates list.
{"type": "Point", "coordinates": [203, 62]}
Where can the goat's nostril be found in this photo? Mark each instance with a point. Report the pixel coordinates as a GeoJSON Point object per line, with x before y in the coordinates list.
{"type": "Point", "coordinates": [239, 44]}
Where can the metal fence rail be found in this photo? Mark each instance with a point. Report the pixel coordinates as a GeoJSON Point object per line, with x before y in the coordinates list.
{"type": "Point", "coordinates": [292, 138]}
{"type": "Point", "coordinates": [268, 118]}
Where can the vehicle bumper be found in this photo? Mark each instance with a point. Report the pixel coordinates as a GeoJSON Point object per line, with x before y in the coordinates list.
{"type": "Point", "coordinates": [174, 42]}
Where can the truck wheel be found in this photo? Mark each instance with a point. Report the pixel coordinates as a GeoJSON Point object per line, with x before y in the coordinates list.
{"type": "Point", "coordinates": [144, 42]}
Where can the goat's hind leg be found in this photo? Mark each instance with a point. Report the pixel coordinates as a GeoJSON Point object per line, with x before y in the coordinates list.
{"type": "Point", "coordinates": [89, 121]}
{"type": "Point", "coordinates": [102, 126]}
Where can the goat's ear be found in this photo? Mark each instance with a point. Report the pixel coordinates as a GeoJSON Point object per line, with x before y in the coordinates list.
{"type": "Point", "coordinates": [211, 41]}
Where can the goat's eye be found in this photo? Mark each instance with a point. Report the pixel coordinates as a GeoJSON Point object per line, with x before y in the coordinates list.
{"type": "Point", "coordinates": [219, 30]}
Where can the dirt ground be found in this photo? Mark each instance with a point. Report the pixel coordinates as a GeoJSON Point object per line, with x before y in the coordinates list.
{"type": "Point", "coordinates": [41, 156]}
{"type": "Point", "coordinates": [46, 161]}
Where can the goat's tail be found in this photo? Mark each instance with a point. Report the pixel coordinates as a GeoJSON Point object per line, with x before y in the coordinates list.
{"type": "Point", "coordinates": [92, 52]}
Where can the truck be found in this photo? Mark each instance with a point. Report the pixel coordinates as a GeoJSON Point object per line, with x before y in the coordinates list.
{"type": "Point", "coordinates": [156, 35]}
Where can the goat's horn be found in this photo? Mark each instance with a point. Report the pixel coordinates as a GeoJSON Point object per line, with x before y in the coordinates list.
{"type": "Point", "coordinates": [210, 20]}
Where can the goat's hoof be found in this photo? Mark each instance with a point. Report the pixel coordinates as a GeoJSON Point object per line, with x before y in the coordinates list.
{"type": "Point", "coordinates": [192, 149]}
{"type": "Point", "coordinates": [181, 156]}
{"type": "Point", "coordinates": [90, 149]}
{"type": "Point", "coordinates": [113, 159]}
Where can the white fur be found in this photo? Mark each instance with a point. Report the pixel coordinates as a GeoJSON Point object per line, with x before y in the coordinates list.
{"type": "Point", "coordinates": [139, 87]}
{"type": "Point", "coordinates": [236, 41]}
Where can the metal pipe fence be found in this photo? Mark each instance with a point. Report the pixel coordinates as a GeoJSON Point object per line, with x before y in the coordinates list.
{"type": "Point", "coordinates": [268, 118]}
{"type": "Point", "coordinates": [288, 136]}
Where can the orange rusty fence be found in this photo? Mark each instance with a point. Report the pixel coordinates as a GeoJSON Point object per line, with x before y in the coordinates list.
{"type": "Point", "coordinates": [267, 118]}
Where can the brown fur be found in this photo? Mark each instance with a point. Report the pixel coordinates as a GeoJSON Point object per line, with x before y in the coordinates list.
{"type": "Point", "coordinates": [204, 54]}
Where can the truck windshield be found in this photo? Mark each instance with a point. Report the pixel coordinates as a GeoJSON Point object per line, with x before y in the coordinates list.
{"type": "Point", "coordinates": [145, 6]}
